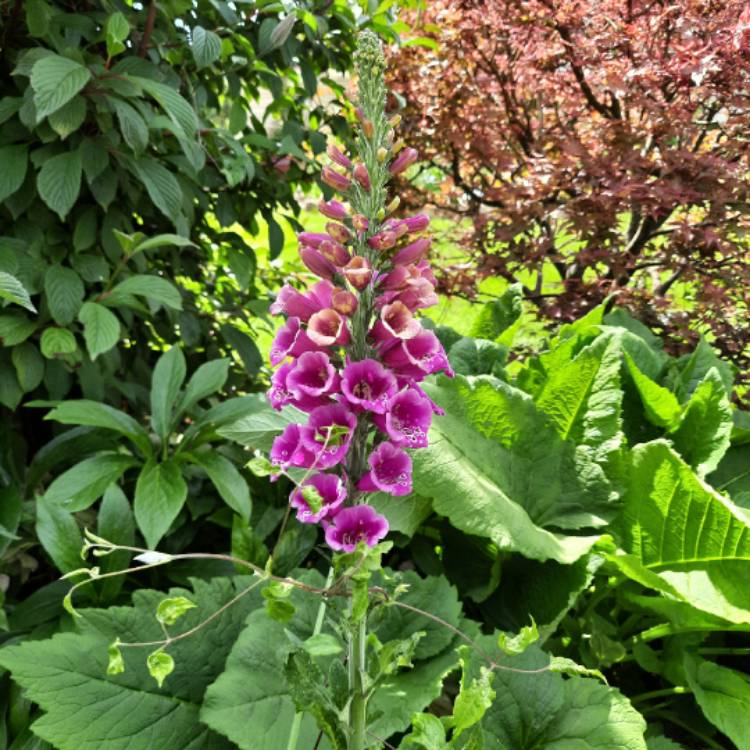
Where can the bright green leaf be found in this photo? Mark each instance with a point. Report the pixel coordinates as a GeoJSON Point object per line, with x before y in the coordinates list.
{"type": "Point", "coordinates": [56, 80]}
{"type": "Point", "coordinates": [160, 493]}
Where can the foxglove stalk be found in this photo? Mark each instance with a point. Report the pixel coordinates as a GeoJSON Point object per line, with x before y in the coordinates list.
{"type": "Point", "coordinates": [353, 350]}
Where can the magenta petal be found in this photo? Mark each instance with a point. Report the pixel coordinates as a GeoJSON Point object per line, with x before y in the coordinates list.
{"type": "Point", "coordinates": [358, 523]}
{"type": "Point", "coordinates": [408, 419]}
{"type": "Point", "coordinates": [368, 385]}
{"type": "Point", "coordinates": [390, 470]}
{"type": "Point", "coordinates": [288, 450]}
{"type": "Point", "coordinates": [328, 451]}
{"type": "Point", "coordinates": [290, 341]}
{"type": "Point", "coordinates": [332, 490]}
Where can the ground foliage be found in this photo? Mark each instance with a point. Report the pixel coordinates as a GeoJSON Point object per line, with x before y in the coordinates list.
{"type": "Point", "coordinates": [600, 142]}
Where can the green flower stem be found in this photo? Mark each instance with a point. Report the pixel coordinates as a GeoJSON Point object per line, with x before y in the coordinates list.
{"type": "Point", "coordinates": [357, 685]}
{"type": "Point", "coordinates": [297, 722]}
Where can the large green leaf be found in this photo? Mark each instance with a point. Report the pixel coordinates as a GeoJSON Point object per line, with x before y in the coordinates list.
{"type": "Point", "coordinates": [660, 405]}
{"type": "Point", "coordinates": [101, 329]}
{"type": "Point", "coordinates": [681, 529]}
{"type": "Point", "coordinates": [59, 534]}
{"type": "Point", "coordinates": [83, 484]}
{"type": "Point", "coordinates": [64, 290]}
{"type": "Point", "coordinates": [161, 185]}
{"type": "Point", "coordinates": [59, 182]}
{"type": "Point", "coordinates": [56, 80]}
{"type": "Point", "coordinates": [132, 126]}
{"type": "Point", "coordinates": [85, 709]}
{"type": "Point", "coordinates": [177, 109]}
{"type": "Point", "coordinates": [546, 711]}
{"type": "Point", "coordinates": [166, 382]}
{"type": "Point", "coordinates": [497, 316]}
{"type": "Point", "coordinates": [160, 493]}
{"type": "Point", "coordinates": [702, 433]}
{"type": "Point", "coordinates": [15, 162]}
{"type": "Point", "coordinates": [724, 696]}
{"type": "Point", "coordinates": [206, 47]}
{"type": "Point", "coordinates": [147, 285]}
{"type": "Point", "coordinates": [13, 290]}
{"type": "Point", "coordinates": [205, 381]}
{"type": "Point", "coordinates": [496, 468]}
{"type": "Point", "coordinates": [691, 370]}
{"type": "Point", "coordinates": [95, 414]}
{"type": "Point", "coordinates": [228, 481]}
{"type": "Point", "coordinates": [259, 429]}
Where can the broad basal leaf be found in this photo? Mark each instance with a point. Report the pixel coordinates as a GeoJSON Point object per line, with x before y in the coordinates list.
{"type": "Point", "coordinates": [84, 709]}
{"type": "Point", "coordinates": [680, 528]}
{"type": "Point", "coordinates": [496, 467]}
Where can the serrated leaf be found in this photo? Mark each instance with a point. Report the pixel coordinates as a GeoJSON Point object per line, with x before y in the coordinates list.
{"type": "Point", "coordinates": [160, 240]}
{"type": "Point", "coordinates": [85, 482]}
{"type": "Point", "coordinates": [56, 80]}
{"type": "Point", "coordinates": [117, 30]}
{"type": "Point", "coordinates": [69, 118]}
{"type": "Point", "coordinates": [497, 316]}
{"type": "Point", "coordinates": [176, 108]}
{"type": "Point", "coordinates": [132, 126]}
{"type": "Point", "coordinates": [29, 366]}
{"type": "Point", "coordinates": [13, 290]}
{"type": "Point", "coordinates": [660, 404]}
{"type": "Point", "coordinates": [161, 185]}
{"type": "Point", "coordinates": [65, 291]}
{"type": "Point", "coordinates": [160, 493]}
{"type": "Point", "coordinates": [15, 328]}
{"type": "Point", "coordinates": [101, 329]}
{"type": "Point", "coordinates": [206, 46]}
{"type": "Point", "coordinates": [59, 181]}
{"type": "Point", "coordinates": [57, 342]}
{"type": "Point", "coordinates": [15, 162]}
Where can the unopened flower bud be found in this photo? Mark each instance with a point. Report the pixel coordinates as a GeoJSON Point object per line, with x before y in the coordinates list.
{"type": "Point", "coordinates": [358, 272]}
{"type": "Point", "coordinates": [333, 210]}
{"type": "Point", "coordinates": [362, 176]}
{"type": "Point", "coordinates": [334, 252]}
{"type": "Point", "coordinates": [367, 128]}
{"type": "Point", "coordinates": [339, 157]}
{"type": "Point", "coordinates": [381, 214]}
{"type": "Point", "coordinates": [417, 223]}
{"type": "Point", "coordinates": [338, 231]}
{"type": "Point", "coordinates": [413, 252]}
{"type": "Point", "coordinates": [335, 179]}
{"type": "Point", "coordinates": [398, 145]}
{"type": "Point", "coordinates": [382, 154]}
{"type": "Point", "coordinates": [360, 222]}
{"type": "Point", "coordinates": [344, 302]}
{"type": "Point", "coordinates": [382, 240]}
{"type": "Point", "coordinates": [395, 120]}
{"type": "Point", "coordinates": [403, 161]}
{"type": "Point", "coordinates": [393, 205]}
{"type": "Point", "coordinates": [318, 264]}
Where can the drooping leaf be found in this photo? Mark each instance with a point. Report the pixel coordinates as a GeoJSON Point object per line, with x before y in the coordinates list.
{"type": "Point", "coordinates": [150, 286]}
{"type": "Point", "coordinates": [161, 185]}
{"type": "Point", "coordinates": [59, 534]}
{"type": "Point", "coordinates": [229, 483]}
{"type": "Point", "coordinates": [497, 316]}
{"type": "Point", "coordinates": [660, 404]}
{"type": "Point", "coordinates": [13, 290]}
{"type": "Point", "coordinates": [205, 381]}
{"type": "Point", "coordinates": [206, 46]}
{"type": "Point", "coordinates": [56, 80]}
{"type": "Point", "coordinates": [160, 493]}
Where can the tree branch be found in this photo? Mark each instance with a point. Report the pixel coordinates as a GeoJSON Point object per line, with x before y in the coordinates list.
{"type": "Point", "coordinates": [148, 29]}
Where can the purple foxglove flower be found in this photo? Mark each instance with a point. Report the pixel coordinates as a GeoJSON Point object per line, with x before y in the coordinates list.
{"type": "Point", "coordinates": [417, 223]}
{"type": "Point", "coordinates": [403, 161]}
{"type": "Point", "coordinates": [291, 302]}
{"type": "Point", "coordinates": [362, 176]}
{"type": "Point", "coordinates": [279, 394]}
{"type": "Point", "coordinates": [335, 252]}
{"type": "Point", "coordinates": [358, 523]}
{"type": "Point", "coordinates": [313, 239]}
{"type": "Point", "coordinates": [335, 179]}
{"type": "Point", "coordinates": [358, 272]}
{"type": "Point", "coordinates": [368, 385]}
{"type": "Point", "coordinates": [290, 341]}
{"type": "Point", "coordinates": [407, 419]}
{"type": "Point", "coordinates": [331, 426]}
{"type": "Point", "coordinates": [382, 240]}
{"type": "Point", "coordinates": [332, 492]}
{"type": "Point", "coordinates": [418, 294]}
{"type": "Point", "coordinates": [317, 262]}
{"type": "Point", "coordinates": [396, 279]}
{"type": "Point", "coordinates": [312, 380]}
{"type": "Point", "coordinates": [344, 302]}
{"type": "Point", "coordinates": [338, 231]}
{"type": "Point", "coordinates": [417, 357]}
{"type": "Point", "coordinates": [412, 252]}
{"type": "Point", "coordinates": [360, 223]}
{"type": "Point", "coordinates": [328, 328]}
{"type": "Point", "coordinates": [435, 408]}
{"type": "Point", "coordinates": [390, 471]}
{"type": "Point", "coordinates": [396, 321]}
{"type": "Point", "coordinates": [288, 449]}
{"type": "Point", "coordinates": [333, 210]}
{"type": "Point", "coordinates": [339, 157]}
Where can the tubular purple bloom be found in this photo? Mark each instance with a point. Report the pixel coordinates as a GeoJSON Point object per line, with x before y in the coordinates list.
{"type": "Point", "coordinates": [403, 161]}
{"type": "Point", "coordinates": [292, 302]}
{"type": "Point", "coordinates": [413, 252]}
{"type": "Point", "coordinates": [396, 321]}
{"type": "Point", "coordinates": [288, 449]}
{"type": "Point", "coordinates": [335, 179]}
{"type": "Point", "coordinates": [360, 223]}
{"type": "Point", "coordinates": [312, 380]}
{"type": "Point", "coordinates": [279, 394]}
{"type": "Point", "coordinates": [360, 523]}
{"type": "Point", "coordinates": [328, 328]}
{"type": "Point", "coordinates": [332, 491]}
{"type": "Point", "coordinates": [407, 419]}
{"type": "Point", "coordinates": [313, 239]}
{"type": "Point", "coordinates": [418, 357]}
{"type": "Point", "coordinates": [344, 302]}
{"type": "Point", "coordinates": [358, 272]}
{"type": "Point", "coordinates": [382, 240]}
{"type": "Point", "coordinates": [417, 223]}
{"type": "Point", "coordinates": [335, 252]}
{"type": "Point", "coordinates": [368, 385]}
{"type": "Point", "coordinates": [390, 471]}
{"type": "Point", "coordinates": [317, 263]}
{"type": "Point", "coordinates": [331, 426]}
{"type": "Point", "coordinates": [338, 231]}
{"type": "Point", "coordinates": [338, 156]}
{"type": "Point", "coordinates": [333, 210]}
{"type": "Point", "coordinates": [362, 176]}
{"type": "Point", "coordinates": [290, 341]}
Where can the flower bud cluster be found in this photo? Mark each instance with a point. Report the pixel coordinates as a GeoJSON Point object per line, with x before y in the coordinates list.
{"type": "Point", "coordinates": [352, 353]}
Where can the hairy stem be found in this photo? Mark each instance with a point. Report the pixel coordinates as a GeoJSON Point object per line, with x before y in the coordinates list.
{"type": "Point", "coordinates": [357, 685]}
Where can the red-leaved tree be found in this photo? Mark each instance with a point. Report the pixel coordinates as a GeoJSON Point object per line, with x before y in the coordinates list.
{"type": "Point", "coordinates": [605, 141]}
